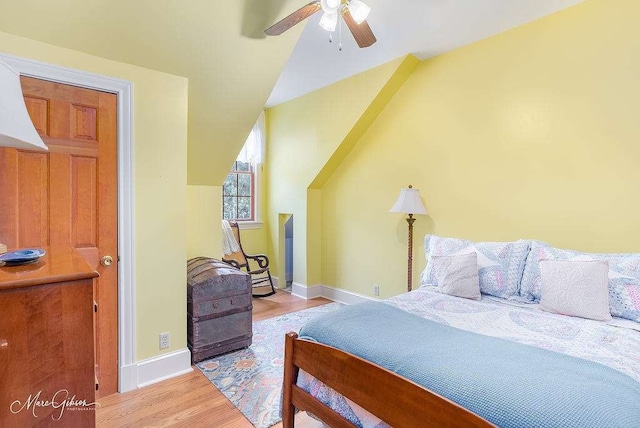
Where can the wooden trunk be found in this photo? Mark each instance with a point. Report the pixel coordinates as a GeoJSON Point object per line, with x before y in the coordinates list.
{"type": "Point", "coordinates": [218, 308]}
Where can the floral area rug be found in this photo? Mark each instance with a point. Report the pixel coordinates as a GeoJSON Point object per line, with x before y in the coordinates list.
{"type": "Point", "coordinates": [252, 378]}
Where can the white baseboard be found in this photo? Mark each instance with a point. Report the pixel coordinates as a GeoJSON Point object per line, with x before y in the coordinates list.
{"type": "Point", "coordinates": [128, 378]}
{"type": "Point", "coordinates": [336, 294]}
{"type": "Point", "coordinates": [166, 366]}
{"type": "Point", "coordinates": [344, 296]}
{"type": "Point", "coordinates": [163, 367]}
{"type": "Point", "coordinates": [306, 291]}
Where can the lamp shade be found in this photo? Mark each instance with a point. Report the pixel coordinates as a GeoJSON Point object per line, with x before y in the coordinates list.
{"type": "Point", "coordinates": [16, 127]}
{"type": "Point", "coordinates": [359, 11]}
{"type": "Point", "coordinates": [409, 202]}
{"type": "Point", "coordinates": [329, 21]}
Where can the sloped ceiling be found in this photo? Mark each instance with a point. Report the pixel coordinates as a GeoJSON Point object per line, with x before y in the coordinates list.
{"type": "Point", "coordinates": [424, 28]}
{"type": "Point", "coordinates": [230, 76]}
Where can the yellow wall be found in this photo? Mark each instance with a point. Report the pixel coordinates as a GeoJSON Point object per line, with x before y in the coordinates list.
{"type": "Point", "coordinates": [254, 240]}
{"type": "Point", "coordinates": [532, 133]}
{"type": "Point", "coordinates": [160, 177]}
{"type": "Point", "coordinates": [204, 233]}
{"type": "Point", "coordinates": [204, 215]}
{"type": "Point", "coordinates": [303, 135]}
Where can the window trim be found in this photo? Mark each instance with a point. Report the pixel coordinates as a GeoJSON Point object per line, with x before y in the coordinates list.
{"type": "Point", "coordinates": [256, 215]}
{"type": "Point", "coordinates": [258, 132]}
{"type": "Point", "coordinates": [246, 224]}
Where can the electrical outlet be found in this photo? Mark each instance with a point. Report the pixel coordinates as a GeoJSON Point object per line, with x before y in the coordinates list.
{"type": "Point", "coordinates": [165, 341]}
{"type": "Point", "coordinates": [376, 290]}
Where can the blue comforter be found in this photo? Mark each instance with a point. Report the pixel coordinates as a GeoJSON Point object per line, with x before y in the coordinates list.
{"type": "Point", "coordinates": [507, 383]}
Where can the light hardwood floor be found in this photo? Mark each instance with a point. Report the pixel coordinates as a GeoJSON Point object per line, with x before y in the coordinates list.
{"type": "Point", "coordinates": [191, 400]}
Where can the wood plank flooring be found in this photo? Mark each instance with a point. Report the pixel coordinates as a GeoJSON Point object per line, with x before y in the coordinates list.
{"type": "Point", "coordinates": [191, 400]}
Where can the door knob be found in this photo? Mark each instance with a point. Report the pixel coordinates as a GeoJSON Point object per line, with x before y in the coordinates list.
{"type": "Point", "coordinates": [106, 261]}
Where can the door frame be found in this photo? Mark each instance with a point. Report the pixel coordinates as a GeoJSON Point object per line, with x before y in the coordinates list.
{"type": "Point", "coordinates": [127, 365]}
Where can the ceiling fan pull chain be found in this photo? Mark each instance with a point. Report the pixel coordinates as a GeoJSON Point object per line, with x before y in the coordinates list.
{"type": "Point", "coordinates": [340, 32]}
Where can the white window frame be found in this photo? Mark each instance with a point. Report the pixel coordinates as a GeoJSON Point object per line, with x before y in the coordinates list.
{"type": "Point", "coordinates": [256, 223]}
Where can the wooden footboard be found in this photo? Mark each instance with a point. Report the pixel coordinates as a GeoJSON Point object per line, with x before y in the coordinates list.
{"type": "Point", "coordinates": [396, 400]}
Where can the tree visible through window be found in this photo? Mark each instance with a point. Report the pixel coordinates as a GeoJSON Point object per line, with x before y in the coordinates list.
{"type": "Point", "coordinates": [237, 192]}
{"type": "Point", "coordinates": [240, 189]}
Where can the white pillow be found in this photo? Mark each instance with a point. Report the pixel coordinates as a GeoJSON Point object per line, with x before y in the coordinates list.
{"type": "Point", "coordinates": [457, 275]}
{"type": "Point", "coordinates": [576, 288]}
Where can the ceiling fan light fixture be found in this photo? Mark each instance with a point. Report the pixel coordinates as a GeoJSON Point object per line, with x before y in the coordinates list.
{"type": "Point", "coordinates": [353, 12]}
{"type": "Point", "coordinates": [329, 21]}
{"type": "Point", "coordinates": [359, 11]}
{"type": "Point", "coordinates": [330, 6]}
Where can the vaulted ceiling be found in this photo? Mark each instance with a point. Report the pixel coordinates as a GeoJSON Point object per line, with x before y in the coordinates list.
{"type": "Point", "coordinates": [231, 76]}
{"type": "Point", "coordinates": [424, 28]}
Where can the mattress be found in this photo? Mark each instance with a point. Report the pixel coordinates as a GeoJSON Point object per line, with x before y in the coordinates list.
{"type": "Point", "coordinates": [611, 344]}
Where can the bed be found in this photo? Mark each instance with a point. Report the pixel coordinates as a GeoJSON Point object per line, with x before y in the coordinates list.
{"type": "Point", "coordinates": [513, 365]}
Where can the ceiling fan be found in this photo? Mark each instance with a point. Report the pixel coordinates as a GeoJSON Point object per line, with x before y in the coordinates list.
{"type": "Point", "coordinates": [353, 12]}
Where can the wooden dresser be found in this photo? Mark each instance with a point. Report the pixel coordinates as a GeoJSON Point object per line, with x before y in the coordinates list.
{"type": "Point", "coordinates": [47, 355]}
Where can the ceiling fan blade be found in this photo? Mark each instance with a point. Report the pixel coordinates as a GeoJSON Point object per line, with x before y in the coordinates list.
{"type": "Point", "coordinates": [361, 32]}
{"type": "Point", "coordinates": [299, 15]}
{"type": "Point", "coordinates": [257, 15]}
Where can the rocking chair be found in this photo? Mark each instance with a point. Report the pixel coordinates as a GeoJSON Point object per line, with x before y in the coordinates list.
{"type": "Point", "coordinates": [260, 277]}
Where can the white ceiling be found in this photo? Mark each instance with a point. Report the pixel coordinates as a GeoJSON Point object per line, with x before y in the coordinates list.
{"type": "Point", "coordinates": [425, 28]}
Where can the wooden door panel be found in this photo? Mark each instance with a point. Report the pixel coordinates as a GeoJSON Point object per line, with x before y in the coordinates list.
{"type": "Point", "coordinates": [24, 173]}
{"type": "Point", "coordinates": [84, 199]}
{"type": "Point", "coordinates": [33, 212]}
{"type": "Point", "coordinates": [84, 123]}
{"type": "Point", "coordinates": [38, 109]}
{"type": "Point", "coordinates": [59, 122]}
{"type": "Point", "coordinates": [8, 196]}
{"type": "Point", "coordinates": [59, 206]}
{"type": "Point", "coordinates": [68, 196]}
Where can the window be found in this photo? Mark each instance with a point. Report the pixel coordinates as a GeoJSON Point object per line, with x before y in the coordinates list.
{"type": "Point", "coordinates": [240, 189]}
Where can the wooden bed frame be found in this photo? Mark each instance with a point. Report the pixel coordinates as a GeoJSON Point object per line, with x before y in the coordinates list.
{"type": "Point", "coordinates": [394, 399]}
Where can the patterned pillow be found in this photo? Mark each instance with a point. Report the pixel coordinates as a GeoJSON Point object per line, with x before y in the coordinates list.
{"type": "Point", "coordinates": [624, 277]}
{"type": "Point", "coordinates": [500, 264]}
{"type": "Point", "coordinates": [457, 275]}
{"type": "Point", "coordinates": [575, 288]}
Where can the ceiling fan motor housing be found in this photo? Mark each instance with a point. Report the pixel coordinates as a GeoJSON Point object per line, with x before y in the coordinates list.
{"type": "Point", "coordinates": [330, 6]}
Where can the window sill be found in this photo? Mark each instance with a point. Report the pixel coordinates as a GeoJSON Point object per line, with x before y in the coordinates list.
{"type": "Point", "coordinates": [249, 224]}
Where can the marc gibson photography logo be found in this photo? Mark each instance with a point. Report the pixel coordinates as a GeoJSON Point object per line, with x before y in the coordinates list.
{"type": "Point", "coordinates": [61, 401]}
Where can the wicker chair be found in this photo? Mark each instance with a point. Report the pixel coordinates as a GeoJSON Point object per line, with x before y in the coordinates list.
{"type": "Point", "coordinates": [261, 282]}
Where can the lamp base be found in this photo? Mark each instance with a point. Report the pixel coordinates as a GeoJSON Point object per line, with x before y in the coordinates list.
{"type": "Point", "coordinates": [410, 221]}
